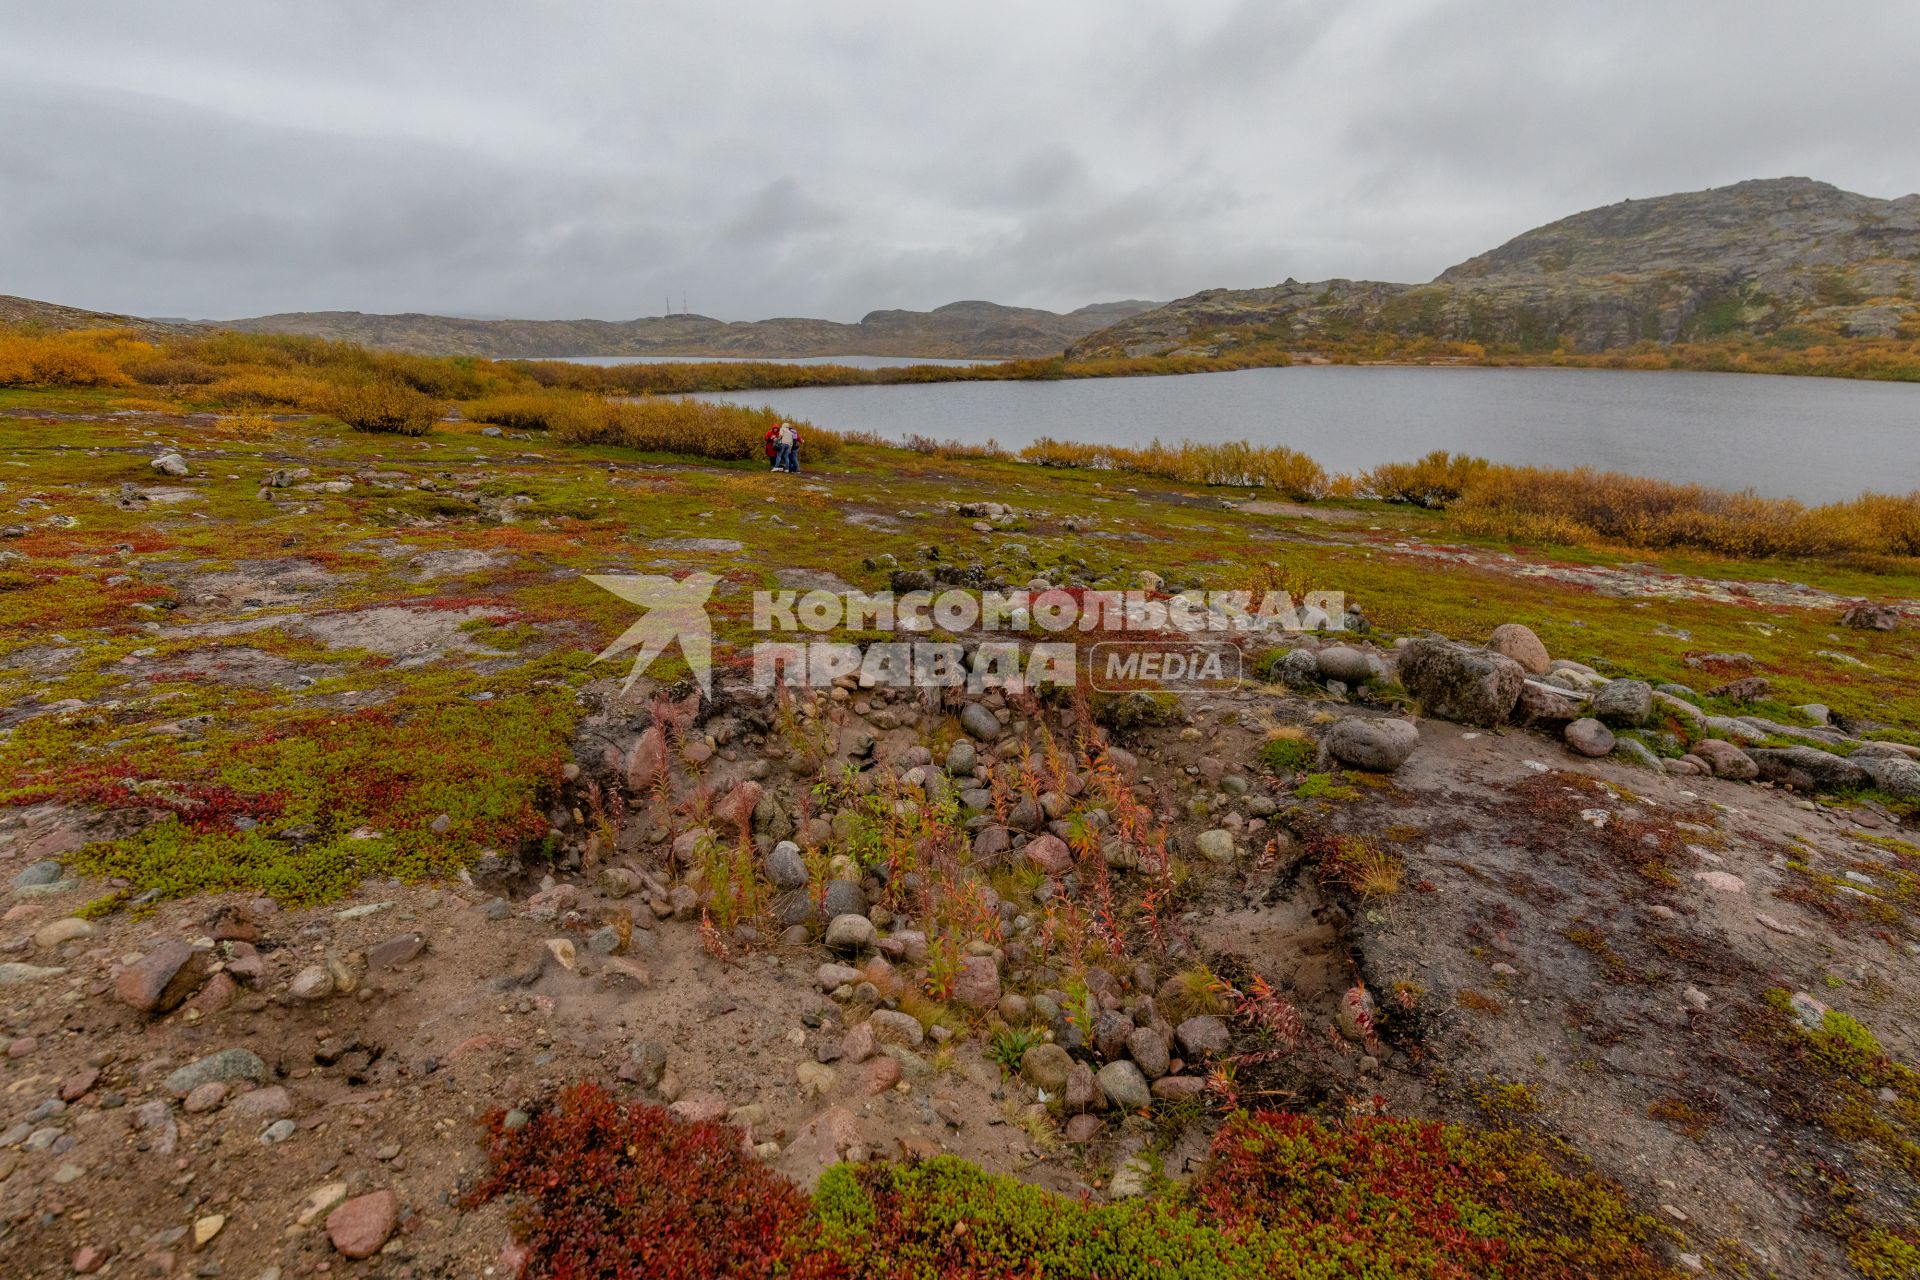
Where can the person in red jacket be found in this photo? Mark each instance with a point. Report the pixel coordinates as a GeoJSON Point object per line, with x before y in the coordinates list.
{"type": "Point", "coordinates": [772, 443]}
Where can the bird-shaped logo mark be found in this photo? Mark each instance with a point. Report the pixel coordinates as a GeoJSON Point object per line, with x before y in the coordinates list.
{"type": "Point", "coordinates": [675, 611]}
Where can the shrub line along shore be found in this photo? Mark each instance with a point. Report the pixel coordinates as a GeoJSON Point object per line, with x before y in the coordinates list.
{"type": "Point", "coordinates": [645, 406]}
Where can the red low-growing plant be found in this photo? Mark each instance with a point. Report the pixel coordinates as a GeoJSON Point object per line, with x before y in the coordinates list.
{"type": "Point", "coordinates": [623, 1191]}
{"type": "Point", "coordinates": [1425, 1199]}
{"type": "Point", "coordinates": [200, 805]}
{"type": "Point", "coordinates": [1267, 1008]}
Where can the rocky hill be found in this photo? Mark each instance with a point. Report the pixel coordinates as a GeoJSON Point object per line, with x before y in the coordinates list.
{"type": "Point", "coordinates": [959, 329]}
{"type": "Point", "coordinates": [51, 315]}
{"type": "Point", "coordinates": [1750, 258]}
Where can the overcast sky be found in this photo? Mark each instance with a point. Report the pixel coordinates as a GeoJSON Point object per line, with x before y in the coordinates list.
{"type": "Point", "coordinates": [817, 157]}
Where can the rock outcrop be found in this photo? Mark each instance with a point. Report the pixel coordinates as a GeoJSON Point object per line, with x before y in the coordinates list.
{"type": "Point", "coordinates": [1747, 258]}
{"type": "Point", "coordinates": [1459, 682]}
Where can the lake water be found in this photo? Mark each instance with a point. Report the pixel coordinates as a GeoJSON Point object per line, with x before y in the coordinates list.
{"type": "Point", "coordinates": [857, 362]}
{"type": "Point", "coordinates": [1817, 439]}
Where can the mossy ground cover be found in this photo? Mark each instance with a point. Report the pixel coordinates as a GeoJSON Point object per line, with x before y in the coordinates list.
{"type": "Point", "coordinates": [387, 745]}
{"type": "Point", "coordinates": [1830, 1073]}
{"type": "Point", "coordinates": [605, 1188]}
{"type": "Point", "coordinates": [206, 645]}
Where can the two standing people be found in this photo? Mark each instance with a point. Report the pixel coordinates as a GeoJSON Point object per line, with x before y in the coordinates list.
{"type": "Point", "coordinates": [783, 447]}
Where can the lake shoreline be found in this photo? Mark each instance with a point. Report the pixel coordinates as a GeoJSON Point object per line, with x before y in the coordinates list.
{"type": "Point", "coordinates": [1773, 435]}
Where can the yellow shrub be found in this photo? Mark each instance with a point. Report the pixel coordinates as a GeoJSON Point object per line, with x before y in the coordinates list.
{"type": "Point", "coordinates": [1048, 452]}
{"type": "Point", "coordinates": [538, 411]}
{"type": "Point", "coordinates": [1521, 526]}
{"type": "Point", "coordinates": [173, 371]}
{"type": "Point", "coordinates": [1875, 523]}
{"type": "Point", "coordinates": [227, 347]}
{"type": "Point", "coordinates": [386, 407]}
{"type": "Point", "coordinates": [264, 390]}
{"type": "Point", "coordinates": [697, 427]}
{"type": "Point", "coordinates": [1288, 471]}
{"type": "Point", "coordinates": [244, 426]}
{"type": "Point", "coordinates": [57, 360]}
{"type": "Point", "coordinates": [443, 377]}
{"type": "Point", "coordinates": [933, 448]}
{"type": "Point", "coordinates": [1585, 506]}
{"type": "Point", "coordinates": [1434, 481]}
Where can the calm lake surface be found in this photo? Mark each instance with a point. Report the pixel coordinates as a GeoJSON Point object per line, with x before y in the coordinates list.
{"type": "Point", "coordinates": [1816, 439]}
{"type": "Point", "coordinates": [857, 362]}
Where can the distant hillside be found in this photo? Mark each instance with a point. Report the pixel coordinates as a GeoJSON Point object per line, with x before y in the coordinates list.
{"type": "Point", "coordinates": [959, 329]}
{"type": "Point", "coordinates": [1754, 257]}
{"type": "Point", "coordinates": [51, 315]}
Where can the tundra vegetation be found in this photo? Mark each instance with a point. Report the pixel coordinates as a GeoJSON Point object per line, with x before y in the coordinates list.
{"type": "Point", "coordinates": [1190, 992]}
{"type": "Point", "coordinates": [641, 406]}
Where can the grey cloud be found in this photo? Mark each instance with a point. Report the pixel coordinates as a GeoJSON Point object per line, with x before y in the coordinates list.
{"type": "Point", "coordinates": [1035, 180]}
{"type": "Point", "coordinates": [587, 159]}
{"type": "Point", "coordinates": [781, 211]}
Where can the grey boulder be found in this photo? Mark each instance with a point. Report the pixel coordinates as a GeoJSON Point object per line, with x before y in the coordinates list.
{"type": "Point", "coordinates": [1623, 703]}
{"type": "Point", "coordinates": [844, 898]}
{"type": "Point", "coordinates": [1459, 682]}
{"type": "Point", "coordinates": [980, 722]}
{"type": "Point", "coordinates": [1895, 774]}
{"type": "Point", "coordinates": [227, 1065]}
{"type": "Point", "coordinates": [1381, 745]}
{"type": "Point", "coordinates": [1726, 760]}
{"type": "Point", "coordinates": [1124, 1086]}
{"type": "Point", "coordinates": [1634, 751]}
{"type": "Point", "coordinates": [1341, 662]}
{"type": "Point", "coordinates": [1544, 704]}
{"type": "Point", "coordinates": [1299, 669]}
{"type": "Point", "coordinates": [850, 933]}
{"type": "Point", "coordinates": [1589, 737]}
{"type": "Point", "coordinates": [1519, 643]}
{"type": "Point", "coordinates": [1871, 617]}
{"type": "Point", "coordinates": [1809, 769]}
{"type": "Point", "coordinates": [1045, 1066]}
{"type": "Point", "coordinates": [45, 871]}
{"type": "Point", "coordinates": [1148, 1049]}
{"type": "Point", "coordinates": [785, 867]}
{"type": "Point", "coordinates": [1202, 1036]}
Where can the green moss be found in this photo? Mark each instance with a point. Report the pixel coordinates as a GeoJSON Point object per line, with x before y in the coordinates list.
{"type": "Point", "coordinates": [503, 638]}
{"type": "Point", "coordinates": [1906, 737]}
{"type": "Point", "coordinates": [301, 806]}
{"type": "Point", "coordinates": [1660, 745]}
{"type": "Point", "coordinates": [1128, 714]}
{"type": "Point", "coordinates": [932, 1208]}
{"type": "Point", "coordinates": [1321, 786]}
{"type": "Point", "coordinates": [1892, 843]}
{"type": "Point", "coordinates": [1880, 1254]}
{"type": "Point", "coordinates": [1838, 1077]}
{"type": "Point", "coordinates": [1289, 755]}
{"type": "Point", "coordinates": [1282, 1196]}
{"type": "Point", "coordinates": [103, 906]}
{"type": "Point", "coordinates": [1845, 1046]}
{"type": "Point", "coordinates": [590, 507]}
{"type": "Point", "coordinates": [1508, 1097]}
